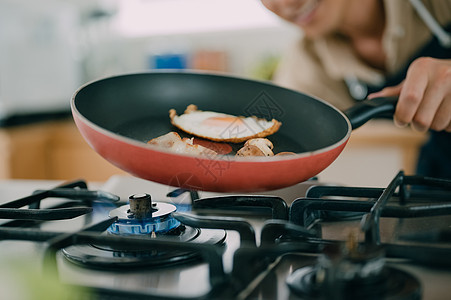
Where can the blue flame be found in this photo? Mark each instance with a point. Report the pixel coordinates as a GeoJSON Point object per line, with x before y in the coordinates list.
{"type": "Point", "coordinates": [144, 226]}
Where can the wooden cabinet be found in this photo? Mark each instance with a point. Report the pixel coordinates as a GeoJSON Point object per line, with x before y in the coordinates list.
{"type": "Point", "coordinates": [56, 150]}
{"type": "Point", "coordinates": [51, 150]}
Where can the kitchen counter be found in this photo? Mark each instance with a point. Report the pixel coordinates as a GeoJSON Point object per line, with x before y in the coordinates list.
{"type": "Point", "coordinates": [375, 152]}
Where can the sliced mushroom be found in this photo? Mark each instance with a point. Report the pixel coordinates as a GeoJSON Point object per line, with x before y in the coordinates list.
{"type": "Point", "coordinates": [256, 147]}
{"type": "Point", "coordinates": [263, 144]}
{"type": "Point", "coordinates": [250, 150]}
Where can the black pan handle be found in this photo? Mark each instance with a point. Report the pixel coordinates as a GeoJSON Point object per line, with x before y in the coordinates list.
{"type": "Point", "coordinates": [366, 110]}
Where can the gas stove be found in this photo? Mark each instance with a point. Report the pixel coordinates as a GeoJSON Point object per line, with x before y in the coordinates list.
{"type": "Point", "coordinates": [129, 238]}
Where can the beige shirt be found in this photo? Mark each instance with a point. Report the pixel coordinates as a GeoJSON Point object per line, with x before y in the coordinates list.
{"type": "Point", "coordinates": [318, 67]}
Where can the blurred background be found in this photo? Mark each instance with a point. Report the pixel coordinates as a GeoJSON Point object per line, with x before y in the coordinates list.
{"type": "Point", "coordinates": [48, 48]}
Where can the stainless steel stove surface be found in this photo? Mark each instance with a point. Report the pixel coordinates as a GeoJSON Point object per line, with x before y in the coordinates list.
{"type": "Point", "coordinates": [129, 239]}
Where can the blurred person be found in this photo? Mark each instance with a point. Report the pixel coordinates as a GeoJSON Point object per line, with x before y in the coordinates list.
{"type": "Point", "coordinates": [352, 50]}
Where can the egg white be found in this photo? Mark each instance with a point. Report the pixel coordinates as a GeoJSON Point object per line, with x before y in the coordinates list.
{"type": "Point", "coordinates": [222, 127]}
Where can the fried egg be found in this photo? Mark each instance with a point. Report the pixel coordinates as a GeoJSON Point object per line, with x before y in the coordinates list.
{"type": "Point", "coordinates": [222, 127]}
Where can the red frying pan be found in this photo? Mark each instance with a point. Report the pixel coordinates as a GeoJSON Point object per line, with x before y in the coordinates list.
{"type": "Point", "coordinates": [118, 115]}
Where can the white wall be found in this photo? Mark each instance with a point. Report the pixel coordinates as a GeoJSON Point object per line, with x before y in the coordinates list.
{"type": "Point", "coordinates": [246, 31]}
{"type": "Point", "coordinates": [137, 18]}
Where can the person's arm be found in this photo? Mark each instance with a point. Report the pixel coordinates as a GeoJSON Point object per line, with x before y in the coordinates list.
{"type": "Point", "coordinates": [424, 95]}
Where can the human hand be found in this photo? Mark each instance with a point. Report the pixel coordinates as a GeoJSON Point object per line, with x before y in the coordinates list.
{"type": "Point", "coordinates": [424, 96]}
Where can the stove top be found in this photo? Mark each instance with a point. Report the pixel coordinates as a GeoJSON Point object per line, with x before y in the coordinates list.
{"type": "Point", "coordinates": [130, 238]}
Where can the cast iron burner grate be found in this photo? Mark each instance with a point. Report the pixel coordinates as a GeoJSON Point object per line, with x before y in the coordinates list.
{"type": "Point", "coordinates": [401, 199]}
{"type": "Point", "coordinates": [102, 255]}
{"type": "Point", "coordinates": [77, 191]}
{"type": "Point", "coordinates": [343, 272]}
{"type": "Point", "coordinates": [359, 271]}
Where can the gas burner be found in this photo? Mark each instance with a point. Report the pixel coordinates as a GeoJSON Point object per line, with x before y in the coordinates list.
{"type": "Point", "coordinates": [143, 219]}
{"type": "Point", "coordinates": [106, 257]}
{"type": "Point", "coordinates": [353, 273]}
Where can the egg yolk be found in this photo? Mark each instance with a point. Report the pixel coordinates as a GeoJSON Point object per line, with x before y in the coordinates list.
{"type": "Point", "coordinates": [222, 121]}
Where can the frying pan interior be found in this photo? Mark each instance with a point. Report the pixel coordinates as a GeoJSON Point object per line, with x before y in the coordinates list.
{"type": "Point", "coordinates": [137, 106]}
